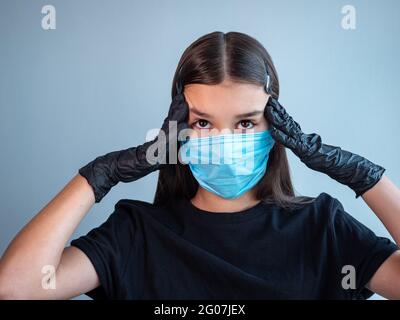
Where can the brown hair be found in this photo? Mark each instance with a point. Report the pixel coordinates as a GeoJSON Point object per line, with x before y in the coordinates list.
{"type": "Point", "coordinates": [241, 58]}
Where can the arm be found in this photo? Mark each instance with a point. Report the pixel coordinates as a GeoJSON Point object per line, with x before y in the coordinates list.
{"type": "Point", "coordinates": [384, 201]}
{"type": "Point", "coordinates": [41, 242]}
{"type": "Point", "coordinates": [364, 177]}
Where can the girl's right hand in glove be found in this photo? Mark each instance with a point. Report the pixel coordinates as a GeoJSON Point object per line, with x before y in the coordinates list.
{"type": "Point", "coordinates": [134, 163]}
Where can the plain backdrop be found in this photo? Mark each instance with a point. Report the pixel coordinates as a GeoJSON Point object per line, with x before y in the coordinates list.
{"type": "Point", "coordinates": [101, 79]}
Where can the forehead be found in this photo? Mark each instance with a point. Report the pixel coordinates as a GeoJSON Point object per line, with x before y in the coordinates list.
{"type": "Point", "coordinates": [225, 96]}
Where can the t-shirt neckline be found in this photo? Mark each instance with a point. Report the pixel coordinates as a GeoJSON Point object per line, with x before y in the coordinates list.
{"type": "Point", "coordinates": [201, 215]}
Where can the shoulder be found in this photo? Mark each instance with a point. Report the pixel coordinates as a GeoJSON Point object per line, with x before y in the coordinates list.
{"type": "Point", "coordinates": [335, 213]}
{"type": "Point", "coordinates": [131, 205]}
{"type": "Point", "coordinates": [128, 210]}
{"type": "Point", "coordinates": [338, 220]}
{"type": "Point", "coordinates": [323, 203]}
{"type": "Point", "coordinates": [140, 210]}
{"type": "Point", "coordinates": [327, 201]}
{"type": "Point", "coordinates": [323, 210]}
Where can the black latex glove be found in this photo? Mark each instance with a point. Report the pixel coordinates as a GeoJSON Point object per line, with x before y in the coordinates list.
{"type": "Point", "coordinates": [345, 167]}
{"type": "Point", "coordinates": [131, 164]}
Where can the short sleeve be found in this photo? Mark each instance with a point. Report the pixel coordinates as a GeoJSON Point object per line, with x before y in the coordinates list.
{"type": "Point", "coordinates": [357, 246]}
{"type": "Point", "coordinates": [108, 247]}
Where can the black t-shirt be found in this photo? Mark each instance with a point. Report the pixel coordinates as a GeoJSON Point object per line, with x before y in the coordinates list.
{"type": "Point", "coordinates": [179, 251]}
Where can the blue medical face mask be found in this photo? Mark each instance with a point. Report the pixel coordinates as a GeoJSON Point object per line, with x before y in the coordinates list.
{"type": "Point", "coordinates": [229, 164]}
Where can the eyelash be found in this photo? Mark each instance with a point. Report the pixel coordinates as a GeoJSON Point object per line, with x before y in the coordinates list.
{"type": "Point", "coordinates": [241, 121]}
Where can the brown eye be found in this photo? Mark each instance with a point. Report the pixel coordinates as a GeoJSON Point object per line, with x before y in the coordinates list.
{"type": "Point", "coordinates": [202, 124]}
{"type": "Point", "coordinates": [246, 124]}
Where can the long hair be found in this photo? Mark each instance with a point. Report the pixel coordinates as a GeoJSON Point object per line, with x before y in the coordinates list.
{"type": "Point", "coordinates": [241, 58]}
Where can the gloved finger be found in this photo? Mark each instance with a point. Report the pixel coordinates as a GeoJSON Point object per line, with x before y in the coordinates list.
{"type": "Point", "coordinates": [293, 128]}
{"type": "Point", "coordinates": [277, 108]}
{"type": "Point", "coordinates": [281, 137]}
{"type": "Point", "coordinates": [182, 126]}
{"type": "Point", "coordinates": [277, 113]}
{"type": "Point", "coordinates": [272, 102]}
{"type": "Point", "coordinates": [290, 127]}
{"type": "Point", "coordinates": [179, 109]}
{"type": "Point", "coordinates": [273, 117]}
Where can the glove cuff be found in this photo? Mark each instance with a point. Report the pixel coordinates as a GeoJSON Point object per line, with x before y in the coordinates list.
{"type": "Point", "coordinates": [372, 177]}
{"type": "Point", "coordinates": [87, 173]}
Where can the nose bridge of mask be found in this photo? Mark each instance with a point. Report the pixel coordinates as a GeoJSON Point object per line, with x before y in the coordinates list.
{"type": "Point", "coordinates": [240, 149]}
{"type": "Point", "coordinates": [220, 149]}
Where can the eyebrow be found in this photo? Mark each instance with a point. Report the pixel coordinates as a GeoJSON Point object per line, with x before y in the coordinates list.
{"type": "Point", "coordinates": [249, 114]}
{"type": "Point", "coordinates": [242, 115]}
{"type": "Point", "coordinates": [200, 113]}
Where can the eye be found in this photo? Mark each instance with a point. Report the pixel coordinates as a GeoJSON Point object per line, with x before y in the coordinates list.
{"type": "Point", "coordinates": [202, 124]}
{"type": "Point", "coordinates": [246, 124]}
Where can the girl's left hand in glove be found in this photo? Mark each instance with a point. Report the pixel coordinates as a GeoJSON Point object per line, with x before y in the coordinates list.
{"type": "Point", "coordinates": [348, 168]}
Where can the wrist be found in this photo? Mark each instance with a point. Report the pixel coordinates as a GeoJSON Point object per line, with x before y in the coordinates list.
{"type": "Point", "coordinates": [373, 174]}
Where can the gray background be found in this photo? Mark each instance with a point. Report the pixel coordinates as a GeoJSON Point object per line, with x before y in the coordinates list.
{"type": "Point", "coordinates": [102, 79]}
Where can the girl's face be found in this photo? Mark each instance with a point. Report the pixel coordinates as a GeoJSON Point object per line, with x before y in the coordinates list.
{"type": "Point", "coordinates": [237, 107]}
